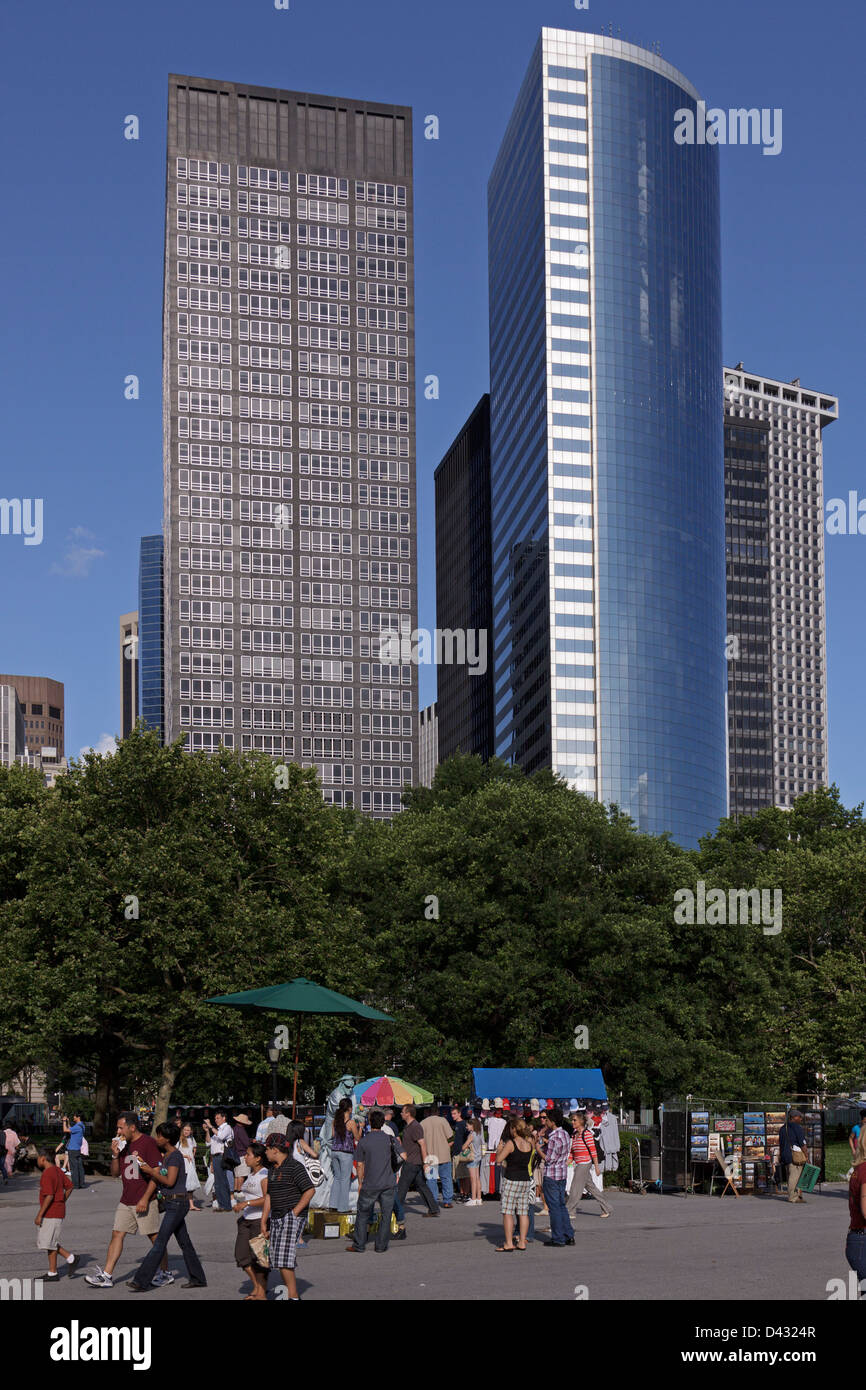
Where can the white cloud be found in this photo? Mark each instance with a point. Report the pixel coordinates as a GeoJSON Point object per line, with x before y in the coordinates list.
{"type": "Point", "coordinates": [78, 558]}
{"type": "Point", "coordinates": [104, 746]}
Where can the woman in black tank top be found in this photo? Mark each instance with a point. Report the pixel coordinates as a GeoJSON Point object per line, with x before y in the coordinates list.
{"type": "Point", "coordinates": [514, 1153]}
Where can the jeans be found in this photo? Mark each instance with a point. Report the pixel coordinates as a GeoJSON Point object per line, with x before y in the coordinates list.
{"type": "Point", "coordinates": [442, 1174]}
{"type": "Point", "coordinates": [173, 1224]}
{"type": "Point", "coordinates": [580, 1183]}
{"type": "Point", "coordinates": [367, 1199]}
{"type": "Point", "coordinates": [855, 1254]}
{"type": "Point", "coordinates": [221, 1184]}
{"type": "Point", "coordinates": [412, 1175]}
{"type": "Point", "coordinates": [76, 1167]}
{"type": "Point", "coordinates": [561, 1228]}
{"type": "Point", "coordinates": [342, 1166]}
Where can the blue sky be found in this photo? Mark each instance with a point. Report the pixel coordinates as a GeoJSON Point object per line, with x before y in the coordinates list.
{"type": "Point", "coordinates": [82, 259]}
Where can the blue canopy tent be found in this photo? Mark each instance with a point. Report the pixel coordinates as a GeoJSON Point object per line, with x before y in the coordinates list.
{"type": "Point", "coordinates": [539, 1083]}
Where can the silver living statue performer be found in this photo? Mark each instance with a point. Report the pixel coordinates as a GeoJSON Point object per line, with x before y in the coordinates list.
{"type": "Point", "coordinates": [322, 1196]}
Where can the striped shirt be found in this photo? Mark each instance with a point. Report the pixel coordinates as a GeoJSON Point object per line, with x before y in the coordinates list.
{"type": "Point", "coordinates": [583, 1147]}
{"type": "Point", "coordinates": [556, 1154]}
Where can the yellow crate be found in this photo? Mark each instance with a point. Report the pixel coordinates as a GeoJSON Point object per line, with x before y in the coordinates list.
{"type": "Point", "coordinates": [323, 1224]}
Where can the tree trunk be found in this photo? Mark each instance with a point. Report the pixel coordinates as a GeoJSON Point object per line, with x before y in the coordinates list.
{"type": "Point", "coordinates": [166, 1086]}
{"type": "Point", "coordinates": [106, 1090]}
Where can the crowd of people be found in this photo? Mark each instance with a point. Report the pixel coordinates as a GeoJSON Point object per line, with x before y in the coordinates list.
{"type": "Point", "coordinates": [268, 1182]}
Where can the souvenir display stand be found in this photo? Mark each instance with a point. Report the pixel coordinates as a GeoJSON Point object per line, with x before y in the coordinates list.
{"type": "Point", "coordinates": [741, 1146]}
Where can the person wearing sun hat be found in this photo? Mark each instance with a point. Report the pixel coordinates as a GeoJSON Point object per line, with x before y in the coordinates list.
{"type": "Point", "coordinates": [242, 1142]}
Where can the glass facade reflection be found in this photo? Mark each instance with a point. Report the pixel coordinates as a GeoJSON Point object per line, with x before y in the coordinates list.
{"type": "Point", "coordinates": [607, 482]}
{"type": "Point", "coordinates": [150, 633]}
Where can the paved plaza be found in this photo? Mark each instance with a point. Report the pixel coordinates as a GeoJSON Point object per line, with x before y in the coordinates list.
{"type": "Point", "coordinates": [653, 1247]}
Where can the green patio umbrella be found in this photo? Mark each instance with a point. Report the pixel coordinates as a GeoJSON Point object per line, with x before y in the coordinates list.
{"type": "Point", "coordinates": [298, 997]}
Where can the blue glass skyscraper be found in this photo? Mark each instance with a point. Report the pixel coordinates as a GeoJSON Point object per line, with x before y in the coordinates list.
{"type": "Point", "coordinates": [150, 632]}
{"type": "Point", "coordinates": [607, 476]}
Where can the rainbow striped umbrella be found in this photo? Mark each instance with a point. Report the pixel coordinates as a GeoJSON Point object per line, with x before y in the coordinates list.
{"type": "Point", "coordinates": [390, 1090]}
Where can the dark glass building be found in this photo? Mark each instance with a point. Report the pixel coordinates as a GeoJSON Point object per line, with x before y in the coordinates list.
{"type": "Point", "coordinates": [150, 633]}
{"type": "Point", "coordinates": [607, 476]}
{"type": "Point", "coordinates": [463, 574]}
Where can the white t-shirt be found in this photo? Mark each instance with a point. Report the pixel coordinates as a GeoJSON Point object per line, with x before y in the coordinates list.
{"type": "Point", "coordinates": [250, 1192]}
{"type": "Point", "coordinates": [495, 1126]}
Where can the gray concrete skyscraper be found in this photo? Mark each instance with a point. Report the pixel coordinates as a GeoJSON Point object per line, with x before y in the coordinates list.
{"type": "Point", "coordinates": [607, 477]}
{"type": "Point", "coordinates": [289, 432]}
{"type": "Point", "coordinates": [777, 667]}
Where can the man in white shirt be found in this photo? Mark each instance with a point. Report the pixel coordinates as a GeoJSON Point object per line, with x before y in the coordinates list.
{"type": "Point", "coordinates": [217, 1138]}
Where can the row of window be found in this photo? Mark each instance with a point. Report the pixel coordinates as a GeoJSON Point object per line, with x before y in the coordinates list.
{"type": "Point", "coordinates": [307, 336]}
{"type": "Point", "coordinates": [325, 186]}
{"type": "Point", "coordinates": [316, 465]}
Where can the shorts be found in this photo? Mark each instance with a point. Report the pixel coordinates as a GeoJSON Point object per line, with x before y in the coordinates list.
{"type": "Point", "coordinates": [473, 1163]}
{"type": "Point", "coordinates": [244, 1256]}
{"type": "Point", "coordinates": [128, 1223]}
{"type": "Point", "coordinates": [284, 1233]}
{"type": "Point", "coordinates": [48, 1234]}
{"type": "Point", "coordinates": [515, 1197]}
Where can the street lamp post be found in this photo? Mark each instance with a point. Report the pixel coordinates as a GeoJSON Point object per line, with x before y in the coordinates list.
{"type": "Point", "coordinates": [273, 1051]}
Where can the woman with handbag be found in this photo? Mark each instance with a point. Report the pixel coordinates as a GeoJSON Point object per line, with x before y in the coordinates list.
{"type": "Point", "coordinates": [249, 1240]}
{"type": "Point", "coordinates": [792, 1152]}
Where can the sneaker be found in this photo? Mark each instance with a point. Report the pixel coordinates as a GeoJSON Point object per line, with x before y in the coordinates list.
{"type": "Point", "coordinates": [162, 1276]}
{"type": "Point", "coordinates": [99, 1280]}
{"type": "Point", "coordinates": [48, 1278]}
{"type": "Point", "coordinates": [72, 1262]}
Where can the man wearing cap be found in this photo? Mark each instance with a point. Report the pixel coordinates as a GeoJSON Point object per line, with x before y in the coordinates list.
{"type": "Point", "coordinates": [284, 1214]}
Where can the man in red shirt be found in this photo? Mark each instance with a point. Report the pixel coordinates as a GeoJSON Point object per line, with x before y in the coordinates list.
{"type": "Point", "coordinates": [54, 1188]}
{"type": "Point", "coordinates": [137, 1212]}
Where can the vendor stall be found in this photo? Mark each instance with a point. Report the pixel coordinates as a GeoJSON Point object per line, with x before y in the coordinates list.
{"type": "Point", "coordinates": [548, 1085]}
{"type": "Point", "coordinates": [739, 1137]}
